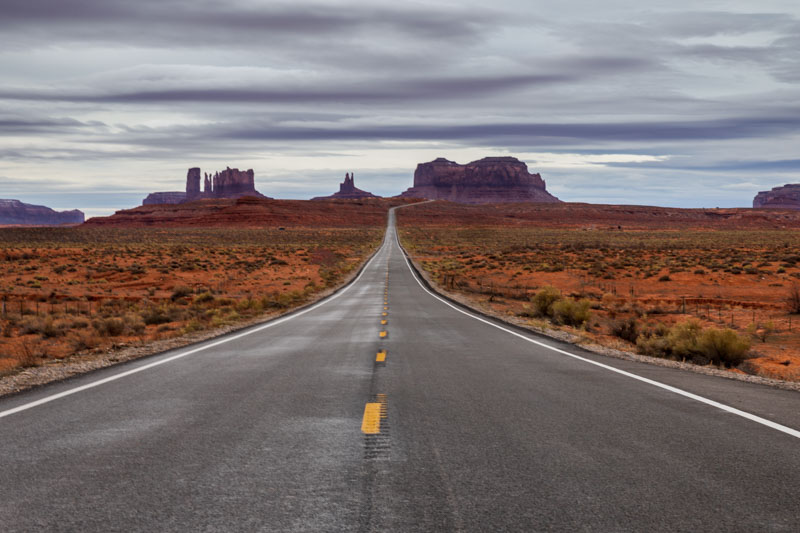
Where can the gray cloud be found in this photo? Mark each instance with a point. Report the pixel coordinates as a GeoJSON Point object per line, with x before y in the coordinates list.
{"type": "Point", "coordinates": [239, 24]}
{"type": "Point", "coordinates": [100, 91]}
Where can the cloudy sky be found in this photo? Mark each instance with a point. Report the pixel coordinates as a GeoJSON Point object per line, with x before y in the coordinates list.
{"type": "Point", "coordinates": [645, 102]}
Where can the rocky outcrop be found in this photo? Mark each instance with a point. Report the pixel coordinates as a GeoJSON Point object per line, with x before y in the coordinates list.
{"type": "Point", "coordinates": [172, 197]}
{"type": "Point", "coordinates": [785, 197]}
{"type": "Point", "coordinates": [230, 183]}
{"type": "Point", "coordinates": [16, 212]}
{"type": "Point", "coordinates": [489, 180]}
{"type": "Point", "coordinates": [347, 191]}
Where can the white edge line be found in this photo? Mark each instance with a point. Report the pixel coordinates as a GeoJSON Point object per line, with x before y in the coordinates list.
{"type": "Point", "coordinates": [701, 399]}
{"type": "Point", "coordinates": [121, 375]}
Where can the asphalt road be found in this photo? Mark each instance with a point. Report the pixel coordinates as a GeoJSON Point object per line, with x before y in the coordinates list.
{"type": "Point", "coordinates": [294, 426]}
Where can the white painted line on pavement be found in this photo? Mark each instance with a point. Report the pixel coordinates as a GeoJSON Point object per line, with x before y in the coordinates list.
{"type": "Point", "coordinates": [181, 355]}
{"type": "Point", "coordinates": [701, 399]}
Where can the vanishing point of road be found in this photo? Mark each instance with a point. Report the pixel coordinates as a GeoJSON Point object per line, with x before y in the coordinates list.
{"type": "Point", "coordinates": [386, 408]}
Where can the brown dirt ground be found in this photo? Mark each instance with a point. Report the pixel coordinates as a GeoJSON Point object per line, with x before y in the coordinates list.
{"type": "Point", "coordinates": [656, 264]}
{"type": "Point", "coordinates": [111, 284]}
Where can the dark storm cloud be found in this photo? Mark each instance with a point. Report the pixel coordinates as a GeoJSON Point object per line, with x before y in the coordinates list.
{"type": "Point", "coordinates": [652, 131]}
{"type": "Point", "coordinates": [12, 126]}
{"type": "Point", "coordinates": [366, 91]}
{"type": "Point", "coordinates": [185, 22]}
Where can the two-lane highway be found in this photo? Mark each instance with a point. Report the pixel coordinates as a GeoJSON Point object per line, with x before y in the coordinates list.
{"type": "Point", "coordinates": [385, 408]}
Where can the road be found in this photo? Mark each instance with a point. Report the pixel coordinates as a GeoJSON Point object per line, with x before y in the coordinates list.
{"type": "Point", "coordinates": [463, 426]}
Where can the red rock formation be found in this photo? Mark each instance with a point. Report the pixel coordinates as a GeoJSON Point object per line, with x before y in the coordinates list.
{"type": "Point", "coordinates": [347, 191]}
{"type": "Point", "coordinates": [230, 183]}
{"type": "Point", "coordinates": [16, 212]}
{"type": "Point", "coordinates": [785, 197]}
{"type": "Point", "coordinates": [193, 183]}
{"type": "Point", "coordinates": [489, 180]}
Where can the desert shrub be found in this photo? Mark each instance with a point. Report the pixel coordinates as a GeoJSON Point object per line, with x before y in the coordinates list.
{"type": "Point", "coordinates": [665, 277]}
{"type": "Point", "coordinates": [84, 340]}
{"type": "Point", "coordinates": [180, 292]}
{"type": "Point", "coordinates": [544, 299]}
{"type": "Point", "coordinates": [109, 327]}
{"type": "Point", "coordinates": [723, 346]}
{"type": "Point", "coordinates": [688, 340]}
{"type": "Point", "coordinates": [682, 339]}
{"type": "Point", "coordinates": [571, 312]}
{"type": "Point", "coordinates": [627, 329]}
{"type": "Point", "coordinates": [203, 298]}
{"type": "Point", "coordinates": [51, 328]}
{"type": "Point", "coordinates": [134, 323]}
{"type": "Point", "coordinates": [30, 325]}
{"type": "Point", "coordinates": [155, 315]}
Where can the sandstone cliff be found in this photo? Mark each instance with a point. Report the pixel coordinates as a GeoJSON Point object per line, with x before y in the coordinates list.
{"type": "Point", "coordinates": [347, 191]}
{"type": "Point", "coordinates": [785, 197]}
{"type": "Point", "coordinates": [230, 183]}
{"type": "Point", "coordinates": [489, 180]}
{"type": "Point", "coordinates": [16, 212]}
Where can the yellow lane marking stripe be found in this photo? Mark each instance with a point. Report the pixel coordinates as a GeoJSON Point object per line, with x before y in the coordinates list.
{"type": "Point", "coordinates": [380, 357]}
{"type": "Point", "coordinates": [383, 322]}
{"type": "Point", "coordinates": [371, 423]}
{"type": "Point", "coordinates": [383, 334]}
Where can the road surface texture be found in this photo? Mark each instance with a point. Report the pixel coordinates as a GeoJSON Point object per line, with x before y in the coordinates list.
{"type": "Point", "coordinates": [330, 420]}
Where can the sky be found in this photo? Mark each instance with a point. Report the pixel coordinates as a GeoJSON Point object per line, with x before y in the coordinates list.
{"type": "Point", "coordinates": [625, 102]}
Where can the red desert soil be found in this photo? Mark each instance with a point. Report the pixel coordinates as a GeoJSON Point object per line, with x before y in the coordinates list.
{"type": "Point", "coordinates": [157, 272]}
{"type": "Point", "coordinates": [731, 268]}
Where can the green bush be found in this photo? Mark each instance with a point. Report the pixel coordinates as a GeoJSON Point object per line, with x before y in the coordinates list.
{"type": "Point", "coordinates": [544, 299]}
{"type": "Point", "coordinates": [572, 313]}
{"type": "Point", "coordinates": [723, 346]}
{"type": "Point", "coordinates": [688, 340]}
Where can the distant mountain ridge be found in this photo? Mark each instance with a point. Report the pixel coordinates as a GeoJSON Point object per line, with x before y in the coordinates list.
{"type": "Point", "coordinates": [16, 212]}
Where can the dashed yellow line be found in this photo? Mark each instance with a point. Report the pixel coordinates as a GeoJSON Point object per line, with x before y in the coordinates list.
{"type": "Point", "coordinates": [384, 313]}
{"type": "Point", "coordinates": [380, 357]}
{"type": "Point", "coordinates": [384, 322]}
{"type": "Point", "coordinates": [371, 423]}
{"type": "Point", "coordinates": [373, 413]}
{"type": "Point", "coordinates": [382, 334]}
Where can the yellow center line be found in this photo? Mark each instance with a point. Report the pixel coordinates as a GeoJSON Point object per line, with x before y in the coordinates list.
{"type": "Point", "coordinates": [371, 423]}
{"type": "Point", "coordinates": [384, 313]}
{"type": "Point", "coordinates": [384, 322]}
{"type": "Point", "coordinates": [380, 357]}
{"type": "Point", "coordinates": [382, 334]}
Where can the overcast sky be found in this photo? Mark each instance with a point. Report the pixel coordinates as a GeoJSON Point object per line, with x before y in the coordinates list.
{"type": "Point", "coordinates": [644, 102]}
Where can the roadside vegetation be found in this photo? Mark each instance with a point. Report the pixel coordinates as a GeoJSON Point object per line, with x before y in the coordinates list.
{"type": "Point", "coordinates": [726, 297]}
{"type": "Point", "coordinates": [65, 291]}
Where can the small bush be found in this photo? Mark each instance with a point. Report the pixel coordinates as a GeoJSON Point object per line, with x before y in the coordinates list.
{"type": "Point", "coordinates": [180, 292]}
{"type": "Point", "coordinates": [627, 329]}
{"type": "Point", "coordinates": [572, 313]}
{"type": "Point", "coordinates": [109, 327]}
{"type": "Point", "coordinates": [723, 346]}
{"type": "Point", "coordinates": [203, 298]}
{"type": "Point", "coordinates": [544, 299]}
{"type": "Point", "coordinates": [155, 316]}
{"type": "Point", "coordinates": [665, 277]}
